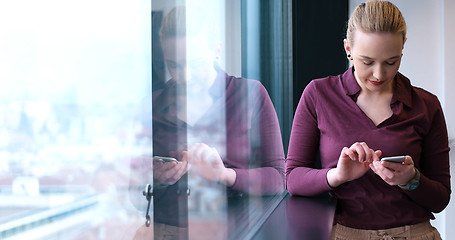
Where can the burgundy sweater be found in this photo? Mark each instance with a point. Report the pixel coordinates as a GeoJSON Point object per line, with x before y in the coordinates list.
{"type": "Point", "coordinates": [328, 119]}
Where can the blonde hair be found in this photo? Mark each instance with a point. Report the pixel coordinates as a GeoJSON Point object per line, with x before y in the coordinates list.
{"type": "Point", "coordinates": [376, 16]}
{"type": "Point", "coordinates": [183, 21]}
{"type": "Point", "coordinates": [174, 23]}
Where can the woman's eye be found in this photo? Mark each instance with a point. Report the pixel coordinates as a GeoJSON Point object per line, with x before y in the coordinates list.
{"type": "Point", "coordinates": [367, 63]}
{"type": "Point", "coordinates": [390, 63]}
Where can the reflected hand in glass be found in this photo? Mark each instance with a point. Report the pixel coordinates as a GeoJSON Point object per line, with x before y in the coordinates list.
{"type": "Point", "coordinates": [206, 162]}
{"type": "Point", "coordinates": [169, 172]}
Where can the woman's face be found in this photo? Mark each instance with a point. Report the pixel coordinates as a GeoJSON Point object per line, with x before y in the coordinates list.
{"type": "Point", "coordinates": [190, 61]}
{"type": "Point", "coordinates": [376, 58]}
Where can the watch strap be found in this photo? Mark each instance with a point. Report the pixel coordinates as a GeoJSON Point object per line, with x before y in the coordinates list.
{"type": "Point", "coordinates": [413, 183]}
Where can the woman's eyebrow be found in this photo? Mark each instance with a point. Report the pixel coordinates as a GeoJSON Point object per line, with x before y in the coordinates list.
{"type": "Point", "coordinates": [369, 58]}
{"type": "Point", "coordinates": [366, 57]}
{"type": "Point", "coordinates": [394, 57]}
{"type": "Point", "coordinates": [171, 62]}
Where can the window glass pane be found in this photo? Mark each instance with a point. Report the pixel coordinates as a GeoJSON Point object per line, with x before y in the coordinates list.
{"type": "Point", "coordinates": [73, 76]}
{"type": "Point", "coordinates": [221, 128]}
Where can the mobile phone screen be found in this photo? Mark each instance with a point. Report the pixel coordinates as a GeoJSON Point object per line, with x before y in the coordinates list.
{"type": "Point", "coordinates": [164, 159]}
{"type": "Point", "coordinates": [397, 159]}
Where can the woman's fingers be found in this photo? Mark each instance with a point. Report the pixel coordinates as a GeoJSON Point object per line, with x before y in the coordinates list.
{"type": "Point", "coordinates": [362, 153]}
{"type": "Point", "coordinates": [350, 153]}
{"type": "Point", "coordinates": [408, 161]}
{"type": "Point", "coordinates": [378, 154]}
{"type": "Point", "coordinates": [394, 173]}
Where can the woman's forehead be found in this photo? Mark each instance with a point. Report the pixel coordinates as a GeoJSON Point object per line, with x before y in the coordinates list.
{"type": "Point", "coordinates": [377, 44]}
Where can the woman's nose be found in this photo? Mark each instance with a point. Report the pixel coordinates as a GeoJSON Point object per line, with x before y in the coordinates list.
{"type": "Point", "coordinates": [379, 73]}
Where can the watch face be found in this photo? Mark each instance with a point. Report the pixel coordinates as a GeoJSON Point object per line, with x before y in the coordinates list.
{"type": "Point", "coordinates": [413, 185]}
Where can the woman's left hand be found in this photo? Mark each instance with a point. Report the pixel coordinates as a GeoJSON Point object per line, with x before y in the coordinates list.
{"type": "Point", "coordinates": [394, 173]}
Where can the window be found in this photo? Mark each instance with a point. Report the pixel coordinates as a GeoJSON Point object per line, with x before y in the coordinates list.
{"type": "Point", "coordinates": [97, 96]}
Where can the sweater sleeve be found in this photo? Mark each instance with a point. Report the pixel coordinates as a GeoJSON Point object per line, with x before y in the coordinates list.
{"type": "Point", "coordinates": [265, 173]}
{"type": "Point", "coordinates": [434, 191]}
{"type": "Point", "coordinates": [302, 178]}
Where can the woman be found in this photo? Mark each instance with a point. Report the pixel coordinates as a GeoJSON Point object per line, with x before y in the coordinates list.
{"type": "Point", "coordinates": [354, 119]}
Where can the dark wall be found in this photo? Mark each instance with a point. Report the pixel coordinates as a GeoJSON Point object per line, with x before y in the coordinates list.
{"type": "Point", "coordinates": [319, 27]}
{"type": "Point", "coordinates": [299, 40]}
{"type": "Point", "coordinates": [267, 53]}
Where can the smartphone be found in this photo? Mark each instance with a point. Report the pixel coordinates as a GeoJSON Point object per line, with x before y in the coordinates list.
{"type": "Point", "coordinates": [164, 159]}
{"type": "Point", "coordinates": [398, 159]}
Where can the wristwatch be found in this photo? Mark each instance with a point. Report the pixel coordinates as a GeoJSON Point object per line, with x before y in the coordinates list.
{"type": "Point", "coordinates": [413, 183]}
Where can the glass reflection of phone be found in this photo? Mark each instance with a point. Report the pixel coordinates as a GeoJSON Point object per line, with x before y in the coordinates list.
{"type": "Point", "coordinates": [164, 159]}
{"type": "Point", "coordinates": [398, 159]}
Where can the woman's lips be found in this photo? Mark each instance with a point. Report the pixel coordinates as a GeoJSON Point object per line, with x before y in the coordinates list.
{"type": "Point", "coordinates": [376, 83]}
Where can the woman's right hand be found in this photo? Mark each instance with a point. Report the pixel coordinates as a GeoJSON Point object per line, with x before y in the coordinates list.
{"type": "Point", "coordinates": [352, 164]}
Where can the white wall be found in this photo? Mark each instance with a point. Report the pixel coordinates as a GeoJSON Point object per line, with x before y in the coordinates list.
{"type": "Point", "coordinates": [449, 86]}
{"type": "Point", "coordinates": [429, 61]}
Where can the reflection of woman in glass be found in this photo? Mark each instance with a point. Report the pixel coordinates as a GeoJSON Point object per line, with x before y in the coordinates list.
{"type": "Point", "coordinates": [372, 111]}
{"type": "Point", "coordinates": [225, 128]}
{"type": "Point", "coordinates": [202, 99]}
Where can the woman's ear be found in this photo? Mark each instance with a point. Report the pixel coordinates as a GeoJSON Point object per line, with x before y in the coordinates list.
{"type": "Point", "coordinates": [347, 47]}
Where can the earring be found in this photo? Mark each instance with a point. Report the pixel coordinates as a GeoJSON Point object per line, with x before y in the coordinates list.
{"type": "Point", "coordinates": [349, 57]}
